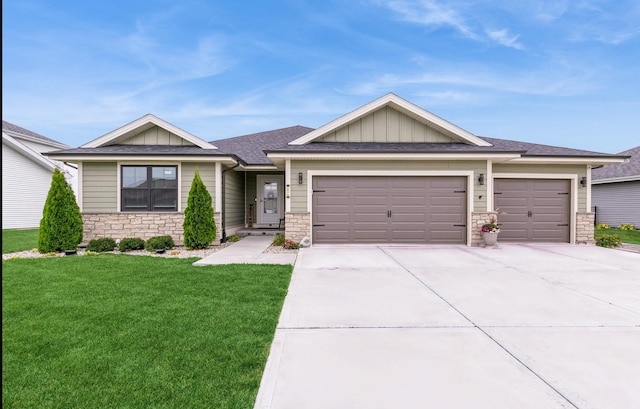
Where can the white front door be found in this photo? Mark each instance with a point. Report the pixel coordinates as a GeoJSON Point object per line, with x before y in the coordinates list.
{"type": "Point", "coordinates": [270, 199]}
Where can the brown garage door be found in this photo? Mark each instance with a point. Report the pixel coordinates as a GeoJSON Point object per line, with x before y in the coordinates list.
{"type": "Point", "coordinates": [536, 209]}
{"type": "Point", "coordinates": [394, 209]}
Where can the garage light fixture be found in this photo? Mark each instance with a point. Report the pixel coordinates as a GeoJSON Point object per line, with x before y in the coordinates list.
{"type": "Point", "coordinates": [583, 181]}
{"type": "Point", "coordinates": [299, 178]}
{"type": "Point", "coordinates": [481, 179]}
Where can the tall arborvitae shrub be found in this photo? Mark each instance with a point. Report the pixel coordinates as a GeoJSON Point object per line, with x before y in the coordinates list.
{"type": "Point", "coordinates": [199, 225]}
{"type": "Point", "coordinates": [61, 224]}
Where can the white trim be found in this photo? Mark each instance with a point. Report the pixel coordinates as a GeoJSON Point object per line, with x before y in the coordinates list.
{"type": "Point", "coordinates": [287, 182]}
{"type": "Point", "coordinates": [615, 180]}
{"type": "Point", "coordinates": [116, 157]}
{"type": "Point", "coordinates": [259, 167]}
{"type": "Point", "coordinates": [489, 182]}
{"type": "Point", "coordinates": [567, 160]}
{"type": "Point", "coordinates": [218, 176]}
{"type": "Point", "coordinates": [469, 174]}
{"type": "Point", "coordinates": [80, 175]}
{"type": "Point", "coordinates": [402, 156]}
{"type": "Point", "coordinates": [574, 192]}
{"type": "Point", "coordinates": [588, 189]}
{"type": "Point", "coordinates": [395, 102]}
{"type": "Point", "coordinates": [131, 128]}
{"type": "Point", "coordinates": [40, 141]}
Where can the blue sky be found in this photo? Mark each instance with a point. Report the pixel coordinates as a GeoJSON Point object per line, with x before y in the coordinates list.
{"type": "Point", "coordinates": [556, 72]}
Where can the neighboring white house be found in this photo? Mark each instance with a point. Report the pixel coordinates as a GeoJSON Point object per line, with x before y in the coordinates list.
{"type": "Point", "coordinates": [615, 191]}
{"type": "Point", "coordinates": [26, 175]}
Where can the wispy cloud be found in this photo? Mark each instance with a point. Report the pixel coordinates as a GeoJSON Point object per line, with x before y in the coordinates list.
{"type": "Point", "coordinates": [503, 37]}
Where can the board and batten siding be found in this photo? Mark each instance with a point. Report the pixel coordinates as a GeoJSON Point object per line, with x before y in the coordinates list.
{"type": "Point", "coordinates": [99, 187]}
{"type": "Point", "coordinates": [25, 186]}
{"type": "Point", "coordinates": [617, 203]}
{"type": "Point", "coordinates": [570, 170]}
{"type": "Point", "coordinates": [299, 191]}
{"type": "Point", "coordinates": [234, 199]}
{"type": "Point", "coordinates": [386, 125]}
{"type": "Point", "coordinates": [208, 176]}
{"type": "Point", "coordinates": [156, 136]}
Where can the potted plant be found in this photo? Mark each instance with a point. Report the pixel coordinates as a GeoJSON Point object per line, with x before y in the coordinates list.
{"type": "Point", "coordinates": [490, 232]}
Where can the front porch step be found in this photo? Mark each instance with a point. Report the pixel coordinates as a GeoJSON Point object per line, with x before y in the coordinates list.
{"type": "Point", "coordinates": [259, 232]}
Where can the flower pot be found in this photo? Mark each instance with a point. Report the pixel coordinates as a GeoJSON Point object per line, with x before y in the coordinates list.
{"type": "Point", "coordinates": [159, 251]}
{"type": "Point", "coordinates": [70, 252]}
{"type": "Point", "coordinates": [490, 239]}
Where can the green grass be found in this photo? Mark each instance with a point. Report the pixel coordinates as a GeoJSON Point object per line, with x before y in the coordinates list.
{"type": "Point", "coordinates": [117, 331]}
{"type": "Point", "coordinates": [14, 240]}
{"type": "Point", "coordinates": [627, 236]}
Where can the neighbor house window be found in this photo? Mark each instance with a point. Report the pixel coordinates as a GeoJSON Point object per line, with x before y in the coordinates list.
{"type": "Point", "coordinates": [149, 188]}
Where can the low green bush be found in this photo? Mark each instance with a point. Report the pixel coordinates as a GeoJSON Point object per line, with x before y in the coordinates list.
{"type": "Point", "coordinates": [101, 245]}
{"type": "Point", "coordinates": [608, 240]}
{"type": "Point", "coordinates": [159, 243]}
{"type": "Point", "coordinates": [291, 245]}
{"type": "Point", "coordinates": [627, 227]}
{"type": "Point", "coordinates": [278, 240]}
{"type": "Point", "coordinates": [131, 243]}
{"type": "Point", "coordinates": [233, 238]}
{"type": "Point", "coordinates": [603, 226]}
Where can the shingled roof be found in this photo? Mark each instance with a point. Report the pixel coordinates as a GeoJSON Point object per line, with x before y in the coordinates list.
{"type": "Point", "coordinates": [15, 130]}
{"type": "Point", "coordinates": [627, 170]}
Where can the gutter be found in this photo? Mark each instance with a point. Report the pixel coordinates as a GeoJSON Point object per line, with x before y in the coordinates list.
{"type": "Point", "coordinates": [223, 213]}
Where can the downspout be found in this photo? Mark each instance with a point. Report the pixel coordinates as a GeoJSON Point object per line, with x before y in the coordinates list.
{"type": "Point", "coordinates": [223, 239]}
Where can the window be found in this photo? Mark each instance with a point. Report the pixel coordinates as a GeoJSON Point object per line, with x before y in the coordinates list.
{"type": "Point", "coordinates": [149, 188]}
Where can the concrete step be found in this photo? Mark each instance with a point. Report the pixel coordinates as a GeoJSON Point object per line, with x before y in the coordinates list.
{"type": "Point", "coordinates": [259, 232]}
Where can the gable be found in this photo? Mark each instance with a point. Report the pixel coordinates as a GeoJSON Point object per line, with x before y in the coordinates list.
{"type": "Point", "coordinates": [386, 125]}
{"type": "Point", "coordinates": [155, 136]}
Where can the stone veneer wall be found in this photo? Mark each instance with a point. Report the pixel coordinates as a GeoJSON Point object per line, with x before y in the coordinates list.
{"type": "Point", "coordinates": [141, 225]}
{"type": "Point", "coordinates": [585, 228]}
{"type": "Point", "coordinates": [477, 220]}
{"type": "Point", "coordinates": [296, 226]}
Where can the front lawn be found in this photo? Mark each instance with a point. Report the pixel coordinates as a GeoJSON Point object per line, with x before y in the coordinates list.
{"type": "Point", "coordinates": [14, 240]}
{"type": "Point", "coordinates": [117, 331]}
{"type": "Point", "coordinates": [627, 236]}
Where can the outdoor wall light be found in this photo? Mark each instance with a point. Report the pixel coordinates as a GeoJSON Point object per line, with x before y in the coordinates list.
{"type": "Point", "coordinates": [288, 191]}
{"type": "Point", "coordinates": [299, 178]}
{"type": "Point", "coordinates": [583, 181]}
{"type": "Point", "coordinates": [481, 179]}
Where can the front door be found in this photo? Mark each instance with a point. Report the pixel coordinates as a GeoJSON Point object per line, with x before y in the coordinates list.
{"type": "Point", "coordinates": [269, 199]}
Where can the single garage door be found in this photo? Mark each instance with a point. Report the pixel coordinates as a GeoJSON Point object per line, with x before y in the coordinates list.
{"type": "Point", "coordinates": [389, 209]}
{"type": "Point", "coordinates": [533, 209]}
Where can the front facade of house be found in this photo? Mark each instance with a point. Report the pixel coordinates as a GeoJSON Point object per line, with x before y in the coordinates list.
{"type": "Point", "coordinates": [388, 172]}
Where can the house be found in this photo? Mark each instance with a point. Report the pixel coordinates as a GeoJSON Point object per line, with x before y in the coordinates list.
{"type": "Point", "coordinates": [387, 172]}
{"type": "Point", "coordinates": [615, 190]}
{"type": "Point", "coordinates": [26, 175]}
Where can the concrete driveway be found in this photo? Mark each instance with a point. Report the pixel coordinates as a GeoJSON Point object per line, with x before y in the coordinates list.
{"type": "Point", "coordinates": [519, 326]}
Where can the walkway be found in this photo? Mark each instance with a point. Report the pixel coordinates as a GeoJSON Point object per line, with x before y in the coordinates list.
{"type": "Point", "coordinates": [249, 250]}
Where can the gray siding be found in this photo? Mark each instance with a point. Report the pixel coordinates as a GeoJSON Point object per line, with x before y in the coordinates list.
{"type": "Point", "coordinates": [208, 176]}
{"type": "Point", "coordinates": [386, 125]}
{"type": "Point", "coordinates": [617, 203]}
{"type": "Point", "coordinates": [99, 187]}
{"type": "Point", "coordinates": [155, 136]}
{"type": "Point", "coordinates": [570, 170]}
{"type": "Point", "coordinates": [25, 186]}
{"type": "Point", "coordinates": [299, 191]}
{"type": "Point", "coordinates": [234, 199]}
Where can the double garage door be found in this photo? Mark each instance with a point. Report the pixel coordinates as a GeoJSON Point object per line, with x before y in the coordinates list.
{"type": "Point", "coordinates": [389, 209]}
{"type": "Point", "coordinates": [433, 209]}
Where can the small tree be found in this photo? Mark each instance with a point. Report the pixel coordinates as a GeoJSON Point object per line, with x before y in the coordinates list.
{"type": "Point", "coordinates": [61, 224]}
{"type": "Point", "coordinates": [199, 225]}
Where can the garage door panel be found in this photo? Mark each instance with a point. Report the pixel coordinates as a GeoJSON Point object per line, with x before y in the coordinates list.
{"type": "Point", "coordinates": [392, 209]}
{"type": "Point", "coordinates": [536, 209]}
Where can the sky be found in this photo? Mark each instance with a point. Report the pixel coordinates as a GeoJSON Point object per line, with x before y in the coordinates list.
{"type": "Point", "coordinates": [555, 72]}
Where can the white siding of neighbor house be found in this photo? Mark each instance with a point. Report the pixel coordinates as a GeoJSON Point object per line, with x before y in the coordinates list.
{"type": "Point", "coordinates": [25, 186]}
{"type": "Point", "coordinates": [617, 203]}
{"type": "Point", "coordinates": [156, 136]}
{"type": "Point", "coordinates": [386, 125]}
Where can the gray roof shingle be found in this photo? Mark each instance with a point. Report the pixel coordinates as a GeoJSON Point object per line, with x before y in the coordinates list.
{"type": "Point", "coordinates": [15, 129]}
{"type": "Point", "coordinates": [620, 170]}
